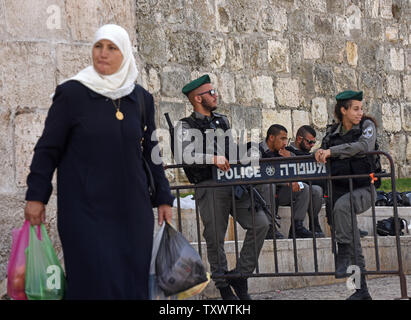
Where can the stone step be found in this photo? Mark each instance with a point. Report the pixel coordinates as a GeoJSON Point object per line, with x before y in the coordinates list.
{"type": "Point", "coordinates": [365, 222]}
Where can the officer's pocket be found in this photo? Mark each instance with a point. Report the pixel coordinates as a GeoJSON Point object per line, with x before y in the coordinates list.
{"type": "Point", "coordinates": [199, 193]}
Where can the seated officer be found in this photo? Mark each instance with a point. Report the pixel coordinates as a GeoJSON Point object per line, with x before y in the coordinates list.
{"type": "Point", "coordinates": [215, 204]}
{"type": "Point", "coordinates": [274, 146]}
{"type": "Point", "coordinates": [302, 145]}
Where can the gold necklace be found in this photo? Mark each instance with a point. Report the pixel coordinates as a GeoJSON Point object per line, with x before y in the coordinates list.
{"type": "Point", "coordinates": [119, 114]}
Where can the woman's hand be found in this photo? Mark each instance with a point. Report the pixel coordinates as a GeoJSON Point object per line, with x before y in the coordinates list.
{"type": "Point", "coordinates": [35, 212]}
{"type": "Point", "coordinates": [164, 213]}
{"type": "Point", "coordinates": [321, 155]}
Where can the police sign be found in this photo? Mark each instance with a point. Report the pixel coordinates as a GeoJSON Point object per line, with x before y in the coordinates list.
{"type": "Point", "coordinates": [269, 170]}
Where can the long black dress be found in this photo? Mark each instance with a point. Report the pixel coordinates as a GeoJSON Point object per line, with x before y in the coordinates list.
{"type": "Point", "coordinates": [105, 218]}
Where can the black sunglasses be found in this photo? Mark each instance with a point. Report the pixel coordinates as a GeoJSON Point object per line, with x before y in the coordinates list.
{"type": "Point", "coordinates": [212, 92]}
{"type": "Point", "coordinates": [309, 141]}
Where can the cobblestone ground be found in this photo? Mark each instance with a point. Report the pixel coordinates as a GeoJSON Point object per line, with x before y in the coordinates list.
{"type": "Point", "coordinates": [387, 288]}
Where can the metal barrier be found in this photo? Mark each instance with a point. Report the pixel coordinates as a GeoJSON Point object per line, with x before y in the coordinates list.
{"type": "Point", "coordinates": [308, 180]}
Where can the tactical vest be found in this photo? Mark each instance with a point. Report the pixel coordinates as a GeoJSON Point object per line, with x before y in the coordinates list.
{"type": "Point", "coordinates": [202, 173]}
{"type": "Point", "coordinates": [352, 165]}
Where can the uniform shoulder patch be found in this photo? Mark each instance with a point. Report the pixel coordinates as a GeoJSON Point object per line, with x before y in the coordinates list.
{"type": "Point", "coordinates": [368, 132]}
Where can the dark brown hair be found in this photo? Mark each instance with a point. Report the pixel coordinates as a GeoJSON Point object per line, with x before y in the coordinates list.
{"type": "Point", "coordinates": [346, 104]}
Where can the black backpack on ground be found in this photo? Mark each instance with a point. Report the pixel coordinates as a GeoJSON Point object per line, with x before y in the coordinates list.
{"type": "Point", "coordinates": [386, 227]}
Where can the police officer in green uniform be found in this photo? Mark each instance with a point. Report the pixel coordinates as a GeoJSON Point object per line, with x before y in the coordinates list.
{"type": "Point", "coordinates": [215, 204]}
{"type": "Point", "coordinates": [345, 143]}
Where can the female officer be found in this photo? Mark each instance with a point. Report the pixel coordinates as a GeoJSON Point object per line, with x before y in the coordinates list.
{"type": "Point", "coordinates": [345, 143]}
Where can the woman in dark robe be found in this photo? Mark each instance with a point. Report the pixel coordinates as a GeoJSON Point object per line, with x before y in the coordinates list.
{"type": "Point", "coordinates": [92, 136]}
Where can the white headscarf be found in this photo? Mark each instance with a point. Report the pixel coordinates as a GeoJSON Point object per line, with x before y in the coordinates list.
{"type": "Point", "coordinates": [120, 83]}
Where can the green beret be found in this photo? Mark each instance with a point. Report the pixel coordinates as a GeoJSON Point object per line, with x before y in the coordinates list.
{"type": "Point", "coordinates": [349, 95]}
{"type": "Point", "coordinates": [195, 84]}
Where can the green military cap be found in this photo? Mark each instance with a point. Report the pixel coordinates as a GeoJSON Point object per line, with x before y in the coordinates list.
{"type": "Point", "coordinates": [195, 84]}
{"type": "Point", "coordinates": [349, 95]}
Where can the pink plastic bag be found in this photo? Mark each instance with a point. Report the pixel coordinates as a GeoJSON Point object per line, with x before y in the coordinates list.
{"type": "Point", "coordinates": [17, 263]}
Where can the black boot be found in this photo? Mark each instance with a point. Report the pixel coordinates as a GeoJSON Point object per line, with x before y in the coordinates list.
{"type": "Point", "coordinates": [317, 229]}
{"type": "Point", "coordinates": [271, 233]}
{"type": "Point", "coordinates": [300, 231]}
{"type": "Point", "coordinates": [343, 260]}
{"type": "Point", "coordinates": [240, 287]}
{"type": "Point", "coordinates": [363, 233]}
{"type": "Point", "coordinates": [362, 293]}
{"type": "Point", "coordinates": [227, 293]}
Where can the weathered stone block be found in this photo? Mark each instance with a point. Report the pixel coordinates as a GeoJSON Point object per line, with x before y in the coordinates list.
{"type": "Point", "coordinates": [218, 53]}
{"type": "Point", "coordinates": [386, 9]}
{"type": "Point", "coordinates": [28, 129]}
{"type": "Point", "coordinates": [71, 59]}
{"type": "Point", "coordinates": [263, 90]}
{"type": "Point", "coordinates": [85, 17]}
{"type": "Point", "coordinates": [396, 145]}
{"type": "Point", "coordinates": [352, 53]}
{"type": "Point", "coordinates": [287, 92]}
{"type": "Point", "coordinates": [272, 116]}
{"type": "Point", "coordinates": [255, 54]}
{"type": "Point", "coordinates": [371, 84]}
{"type": "Point", "coordinates": [407, 87]}
{"type": "Point", "coordinates": [334, 52]}
{"type": "Point", "coordinates": [273, 19]}
{"type": "Point", "coordinates": [196, 12]}
{"type": "Point", "coordinates": [312, 49]}
{"type": "Point", "coordinates": [393, 86]}
{"type": "Point", "coordinates": [345, 79]}
{"type": "Point", "coordinates": [317, 5]}
{"type": "Point", "coordinates": [226, 89]}
{"type": "Point", "coordinates": [235, 56]}
{"type": "Point", "coordinates": [372, 8]}
{"type": "Point", "coordinates": [391, 117]}
{"type": "Point", "coordinates": [278, 56]}
{"type": "Point", "coordinates": [300, 118]}
{"type": "Point", "coordinates": [243, 89]}
{"type": "Point", "coordinates": [173, 80]}
{"type": "Point", "coordinates": [391, 34]}
{"type": "Point", "coordinates": [396, 59]}
{"type": "Point", "coordinates": [408, 154]}
{"type": "Point", "coordinates": [323, 80]}
{"type": "Point", "coordinates": [153, 81]}
{"type": "Point", "coordinates": [7, 184]}
{"type": "Point", "coordinates": [350, 24]}
{"type": "Point", "coordinates": [319, 112]}
{"type": "Point", "coordinates": [42, 19]}
{"type": "Point", "coordinates": [152, 43]}
{"type": "Point", "coordinates": [187, 47]}
{"type": "Point", "coordinates": [406, 115]}
{"type": "Point", "coordinates": [248, 118]}
{"type": "Point", "coordinates": [223, 20]}
{"type": "Point", "coordinates": [36, 62]}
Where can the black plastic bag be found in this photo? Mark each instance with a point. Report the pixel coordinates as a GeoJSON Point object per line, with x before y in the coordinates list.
{"type": "Point", "coordinates": [390, 199]}
{"type": "Point", "coordinates": [386, 227]}
{"type": "Point", "coordinates": [406, 199]}
{"type": "Point", "coordinates": [382, 199]}
{"type": "Point", "coordinates": [178, 266]}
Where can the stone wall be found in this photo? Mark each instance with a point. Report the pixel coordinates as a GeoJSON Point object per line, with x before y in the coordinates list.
{"type": "Point", "coordinates": [272, 61]}
{"type": "Point", "coordinates": [284, 61]}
